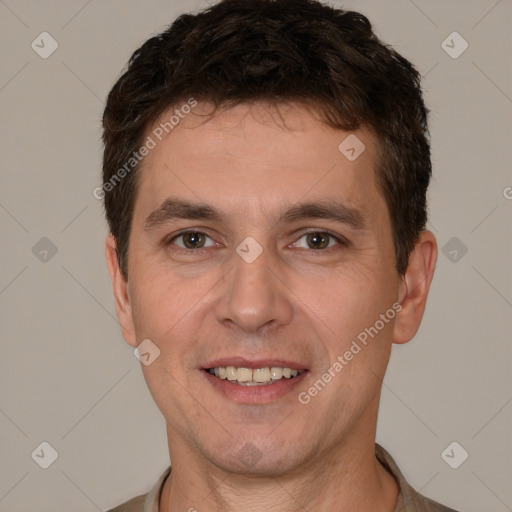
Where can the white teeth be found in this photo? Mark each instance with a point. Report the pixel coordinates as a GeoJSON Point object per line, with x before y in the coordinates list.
{"type": "Point", "coordinates": [230, 373]}
{"type": "Point", "coordinates": [276, 372]}
{"type": "Point", "coordinates": [243, 375]}
{"type": "Point", "coordinates": [258, 376]}
{"type": "Point", "coordinates": [261, 375]}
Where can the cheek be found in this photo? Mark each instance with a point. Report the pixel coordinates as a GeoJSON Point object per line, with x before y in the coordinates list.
{"type": "Point", "coordinates": [158, 298]}
{"type": "Point", "coordinates": [346, 298]}
{"type": "Point", "coordinates": [168, 309]}
{"type": "Point", "coordinates": [350, 305]}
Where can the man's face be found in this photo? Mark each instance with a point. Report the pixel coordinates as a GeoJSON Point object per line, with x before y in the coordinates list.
{"type": "Point", "coordinates": [290, 263]}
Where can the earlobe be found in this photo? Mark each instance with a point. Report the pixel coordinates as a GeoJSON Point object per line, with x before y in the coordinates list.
{"type": "Point", "coordinates": [121, 292]}
{"type": "Point", "coordinates": [414, 288]}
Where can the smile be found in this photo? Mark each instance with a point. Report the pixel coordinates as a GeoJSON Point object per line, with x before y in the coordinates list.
{"type": "Point", "coordinates": [253, 377]}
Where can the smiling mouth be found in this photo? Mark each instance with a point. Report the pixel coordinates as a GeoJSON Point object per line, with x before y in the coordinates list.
{"type": "Point", "coordinates": [253, 377]}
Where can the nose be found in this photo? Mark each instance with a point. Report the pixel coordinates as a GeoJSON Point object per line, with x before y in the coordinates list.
{"type": "Point", "coordinates": [254, 297]}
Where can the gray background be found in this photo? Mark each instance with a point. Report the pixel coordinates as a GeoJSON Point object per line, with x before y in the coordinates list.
{"type": "Point", "coordinates": [68, 378]}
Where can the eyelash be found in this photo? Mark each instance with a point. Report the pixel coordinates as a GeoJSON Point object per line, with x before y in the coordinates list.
{"type": "Point", "coordinates": [343, 242]}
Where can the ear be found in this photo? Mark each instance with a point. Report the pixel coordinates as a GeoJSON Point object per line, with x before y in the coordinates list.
{"type": "Point", "coordinates": [121, 293]}
{"type": "Point", "coordinates": [414, 287]}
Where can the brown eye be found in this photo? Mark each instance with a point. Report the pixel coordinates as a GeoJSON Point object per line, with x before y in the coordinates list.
{"type": "Point", "coordinates": [318, 240]}
{"type": "Point", "coordinates": [192, 240]}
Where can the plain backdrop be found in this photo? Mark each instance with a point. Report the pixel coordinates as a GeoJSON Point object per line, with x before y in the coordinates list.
{"type": "Point", "coordinates": [67, 376]}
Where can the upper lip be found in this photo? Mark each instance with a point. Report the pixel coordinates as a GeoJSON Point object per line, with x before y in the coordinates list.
{"type": "Point", "coordinates": [242, 362]}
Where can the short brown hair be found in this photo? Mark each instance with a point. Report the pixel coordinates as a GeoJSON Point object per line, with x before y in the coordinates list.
{"type": "Point", "coordinates": [278, 51]}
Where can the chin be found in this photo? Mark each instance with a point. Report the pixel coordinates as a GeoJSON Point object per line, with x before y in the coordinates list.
{"type": "Point", "coordinates": [264, 458]}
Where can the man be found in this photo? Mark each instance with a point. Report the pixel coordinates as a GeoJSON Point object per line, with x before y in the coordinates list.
{"type": "Point", "coordinates": [265, 170]}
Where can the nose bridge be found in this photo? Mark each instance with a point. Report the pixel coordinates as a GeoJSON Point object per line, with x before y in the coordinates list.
{"type": "Point", "coordinates": [253, 297]}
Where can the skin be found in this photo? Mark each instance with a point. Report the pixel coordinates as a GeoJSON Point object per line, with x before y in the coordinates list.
{"type": "Point", "coordinates": [293, 302]}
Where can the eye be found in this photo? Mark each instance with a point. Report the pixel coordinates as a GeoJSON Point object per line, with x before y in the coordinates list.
{"type": "Point", "coordinates": [318, 240]}
{"type": "Point", "coordinates": [191, 240]}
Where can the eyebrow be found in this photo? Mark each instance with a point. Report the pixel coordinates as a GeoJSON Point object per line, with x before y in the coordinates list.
{"type": "Point", "coordinates": [328, 210]}
{"type": "Point", "coordinates": [172, 209]}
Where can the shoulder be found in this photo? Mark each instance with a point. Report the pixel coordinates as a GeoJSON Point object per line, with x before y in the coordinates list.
{"type": "Point", "coordinates": [145, 502]}
{"type": "Point", "coordinates": [409, 500]}
{"type": "Point", "coordinates": [134, 505]}
{"type": "Point", "coordinates": [418, 502]}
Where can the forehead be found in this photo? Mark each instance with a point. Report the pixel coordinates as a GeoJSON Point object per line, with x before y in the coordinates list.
{"type": "Point", "coordinates": [256, 158]}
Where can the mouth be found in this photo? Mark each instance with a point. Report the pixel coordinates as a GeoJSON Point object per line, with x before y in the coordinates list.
{"type": "Point", "coordinates": [254, 382]}
{"type": "Point", "coordinates": [254, 377]}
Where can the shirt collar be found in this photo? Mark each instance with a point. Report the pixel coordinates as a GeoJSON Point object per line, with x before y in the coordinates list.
{"type": "Point", "coordinates": [153, 497]}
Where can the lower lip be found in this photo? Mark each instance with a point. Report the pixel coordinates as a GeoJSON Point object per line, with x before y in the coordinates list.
{"type": "Point", "coordinates": [254, 394]}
